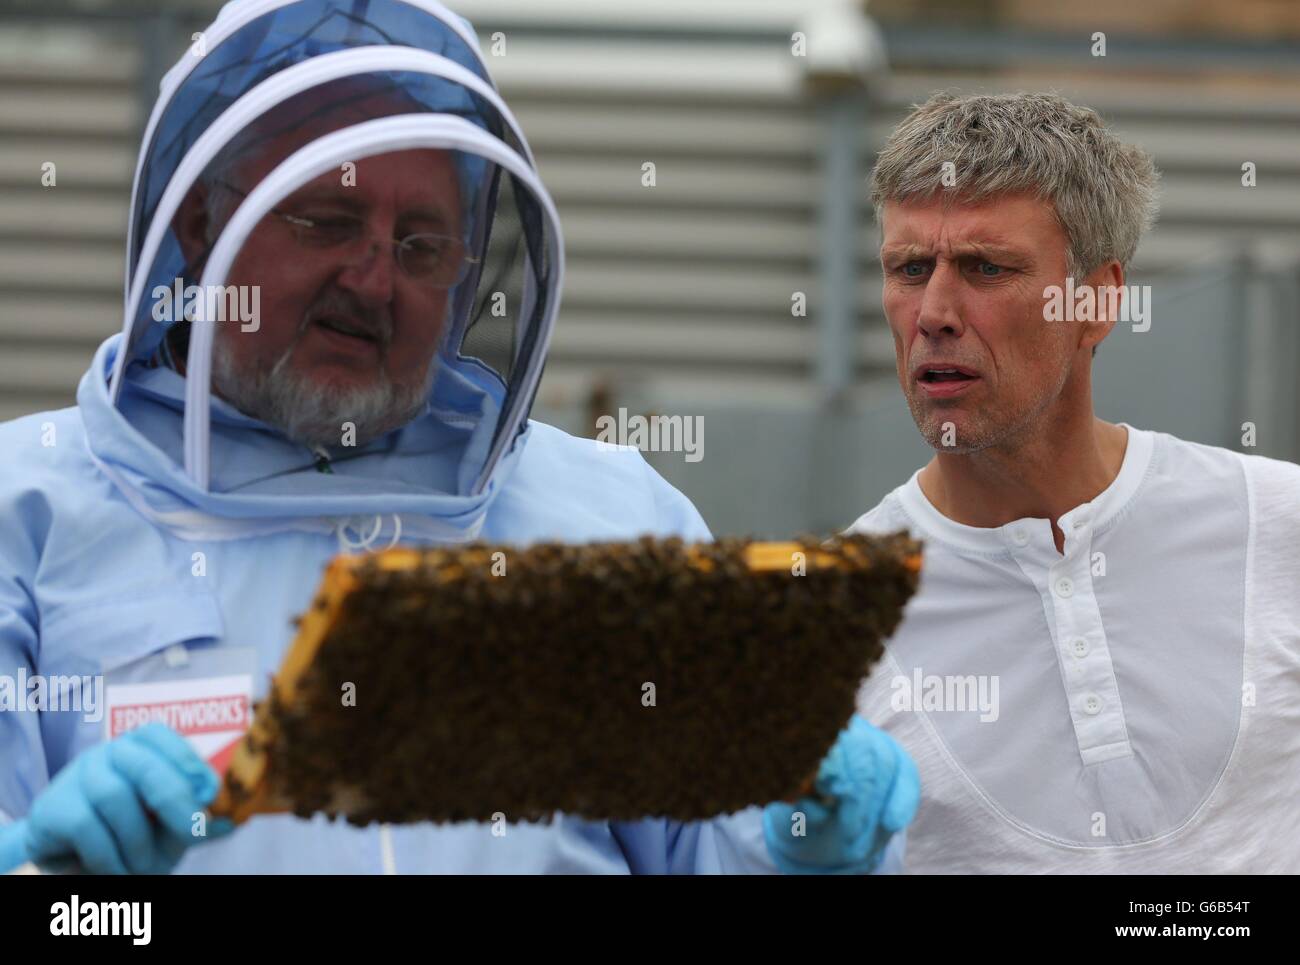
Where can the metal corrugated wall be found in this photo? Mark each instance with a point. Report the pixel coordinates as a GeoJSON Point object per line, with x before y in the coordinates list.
{"type": "Point", "coordinates": [679, 295]}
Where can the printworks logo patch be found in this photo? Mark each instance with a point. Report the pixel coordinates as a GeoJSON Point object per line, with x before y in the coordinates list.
{"type": "Point", "coordinates": [211, 713]}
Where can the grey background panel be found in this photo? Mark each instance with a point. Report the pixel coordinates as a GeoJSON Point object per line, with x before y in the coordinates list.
{"type": "Point", "coordinates": [679, 296]}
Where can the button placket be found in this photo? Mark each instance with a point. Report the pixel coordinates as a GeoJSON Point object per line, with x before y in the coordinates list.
{"type": "Point", "coordinates": [1075, 528]}
{"type": "Point", "coordinates": [1086, 668]}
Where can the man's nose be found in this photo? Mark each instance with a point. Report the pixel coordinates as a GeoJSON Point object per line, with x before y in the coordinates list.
{"type": "Point", "coordinates": [370, 273]}
{"type": "Point", "coordinates": [940, 312]}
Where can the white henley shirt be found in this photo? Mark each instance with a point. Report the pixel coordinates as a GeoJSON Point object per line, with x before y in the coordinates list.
{"type": "Point", "coordinates": [1129, 706]}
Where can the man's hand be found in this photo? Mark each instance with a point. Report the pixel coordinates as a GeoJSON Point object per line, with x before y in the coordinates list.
{"type": "Point", "coordinates": [125, 806]}
{"type": "Point", "coordinates": [867, 790]}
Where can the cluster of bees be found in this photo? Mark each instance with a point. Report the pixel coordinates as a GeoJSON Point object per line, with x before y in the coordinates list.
{"type": "Point", "coordinates": [478, 694]}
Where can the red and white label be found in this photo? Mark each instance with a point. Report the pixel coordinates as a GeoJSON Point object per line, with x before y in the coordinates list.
{"type": "Point", "coordinates": [212, 714]}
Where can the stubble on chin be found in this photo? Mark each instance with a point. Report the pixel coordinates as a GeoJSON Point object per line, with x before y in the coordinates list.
{"type": "Point", "coordinates": [314, 411]}
{"type": "Point", "coordinates": [954, 430]}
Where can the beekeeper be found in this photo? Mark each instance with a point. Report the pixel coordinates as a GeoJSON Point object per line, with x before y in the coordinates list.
{"type": "Point", "coordinates": [1099, 672]}
{"type": "Point", "coordinates": [342, 275]}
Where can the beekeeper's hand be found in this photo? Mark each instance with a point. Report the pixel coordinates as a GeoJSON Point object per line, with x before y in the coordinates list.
{"type": "Point", "coordinates": [129, 805]}
{"type": "Point", "coordinates": [866, 791]}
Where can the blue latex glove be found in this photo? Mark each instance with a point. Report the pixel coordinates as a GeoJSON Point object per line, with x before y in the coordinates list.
{"type": "Point", "coordinates": [124, 806]}
{"type": "Point", "coordinates": [866, 791]}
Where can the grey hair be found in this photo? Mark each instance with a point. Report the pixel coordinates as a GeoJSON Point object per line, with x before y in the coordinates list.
{"type": "Point", "coordinates": [1103, 191]}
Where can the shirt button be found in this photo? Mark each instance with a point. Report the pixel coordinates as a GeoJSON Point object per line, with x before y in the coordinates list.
{"type": "Point", "coordinates": [1065, 587]}
{"type": "Point", "coordinates": [1080, 523]}
{"type": "Point", "coordinates": [1019, 536]}
{"type": "Point", "coordinates": [1091, 705]}
{"type": "Point", "coordinates": [1079, 647]}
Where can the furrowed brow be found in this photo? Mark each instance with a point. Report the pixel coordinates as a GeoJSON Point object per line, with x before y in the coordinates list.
{"type": "Point", "coordinates": [991, 252]}
{"type": "Point", "coordinates": [904, 253]}
{"type": "Point", "coordinates": [996, 253]}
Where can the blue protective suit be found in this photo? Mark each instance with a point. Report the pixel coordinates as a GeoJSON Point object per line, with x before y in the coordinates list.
{"type": "Point", "coordinates": [89, 585]}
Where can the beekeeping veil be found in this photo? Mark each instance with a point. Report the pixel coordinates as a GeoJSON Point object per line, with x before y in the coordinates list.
{"type": "Point", "coordinates": [273, 98]}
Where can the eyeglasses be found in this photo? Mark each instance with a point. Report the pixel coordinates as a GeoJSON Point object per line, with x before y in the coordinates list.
{"type": "Point", "coordinates": [435, 260]}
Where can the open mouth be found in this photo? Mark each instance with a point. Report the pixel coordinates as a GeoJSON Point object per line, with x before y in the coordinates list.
{"type": "Point", "coordinates": [945, 381]}
{"type": "Point", "coordinates": [342, 326]}
{"type": "Point", "coordinates": [946, 375]}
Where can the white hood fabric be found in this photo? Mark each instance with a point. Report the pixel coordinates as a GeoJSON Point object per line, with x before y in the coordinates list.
{"type": "Point", "coordinates": [194, 463]}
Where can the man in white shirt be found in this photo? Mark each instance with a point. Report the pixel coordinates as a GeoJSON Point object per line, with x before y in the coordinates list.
{"type": "Point", "coordinates": [1101, 670]}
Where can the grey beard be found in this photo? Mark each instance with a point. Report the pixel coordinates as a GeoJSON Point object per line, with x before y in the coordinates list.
{"type": "Point", "coordinates": [310, 414]}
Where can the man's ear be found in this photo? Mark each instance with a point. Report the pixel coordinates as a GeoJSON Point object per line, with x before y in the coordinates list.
{"type": "Point", "coordinates": [1107, 282]}
{"type": "Point", "coordinates": [191, 225]}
